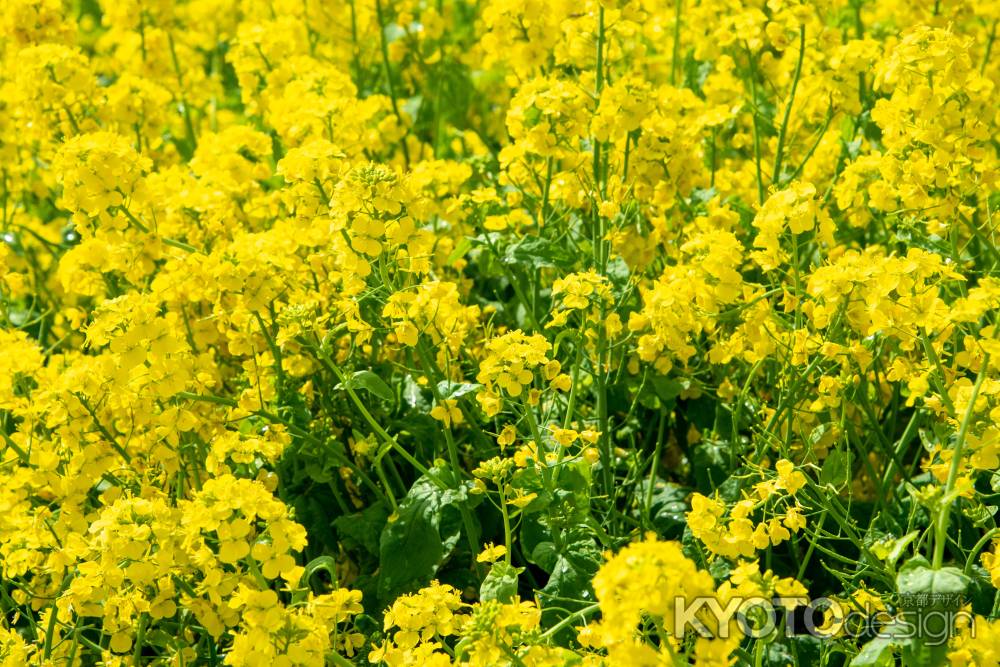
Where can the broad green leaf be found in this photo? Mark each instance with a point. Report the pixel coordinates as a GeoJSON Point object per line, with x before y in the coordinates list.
{"type": "Point", "coordinates": [544, 555]}
{"type": "Point", "coordinates": [667, 508]}
{"type": "Point", "coordinates": [575, 566]}
{"type": "Point", "coordinates": [363, 529]}
{"type": "Point", "coordinates": [927, 599]}
{"type": "Point", "coordinates": [418, 539]}
{"type": "Point", "coordinates": [668, 389]}
{"type": "Point", "coordinates": [535, 252]}
{"type": "Point", "coordinates": [917, 577]}
{"type": "Point", "coordinates": [320, 563]}
{"type": "Point", "coordinates": [372, 383]}
{"type": "Point", "coordinates": [413, 394]}
{"type": "Point", "coordinates": [836, 469]}
{"type": "Point", "coordinates": [876, 653]}
{"type": "Point", "coordinates": [456, 389]}
{"type": "Point", "coordinates": [711, 463]}
{"type": "Point", "coordinates": [501, 583]}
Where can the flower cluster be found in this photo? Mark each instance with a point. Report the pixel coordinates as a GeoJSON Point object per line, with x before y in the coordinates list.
{"type": "Point", "coordinates": [494, 332]}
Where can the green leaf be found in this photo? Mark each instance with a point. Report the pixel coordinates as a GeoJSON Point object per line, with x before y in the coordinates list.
{"type": "Point", "coordinates": [413, 395]}
{"type": "Point", "coordinates": [876, 653]}
{"type": "Point", "coordinates": [160, 639]}
{"type": "Point", "coordinates": [574, 568]}
{"type": "Point", "coordinates": [456, 389]}
{"type": "Point", "coordinates": [372, 383]}
{"type": "Point", "coordinates": [899, 546]}
{"type": "Point", "coordinates": [463, 247]}
{"type": "Point", "coordinates": [362, 529]}
{"type": "Point", "coordinates": [544, 555]}
{"type": "Point", "coordinates": [928, 598]}
{"type": "Point", "coordinates": [420, 537]}
{"type": "Point", "coordinates": [667, 509]}
{"type": "Point", "coordinates": [711, 463]}
{"type": "Point", "coordinates": [879, 651]}
{"type": "Point", "coordinates": [501, 583]}
{"type": "Point", "coordinates": [668, 389]}
{"type": "Point", "coordinates": [535, 252]}
{"type": "Point", "coordinates": [995, 482]}
{"type": "Point", "coordinates": [320, 563]}
{"type": "Point", "coordinates": [836, 468]}
{"type": "Point", "coordinates": [392, 32]}
{"type": "Point", "coordinates": [916, 578]}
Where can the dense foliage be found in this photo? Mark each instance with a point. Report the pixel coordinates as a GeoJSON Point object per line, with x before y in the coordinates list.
{"type": "Point", "coordinates": [496, 332]}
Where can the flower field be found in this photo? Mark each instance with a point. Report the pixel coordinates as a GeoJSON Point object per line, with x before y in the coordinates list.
{"type": "Point", "coordinates": [499, 332]}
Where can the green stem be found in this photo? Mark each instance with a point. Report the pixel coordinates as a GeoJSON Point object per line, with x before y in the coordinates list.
{"type": "Point", "coordinates": [145, 230]}
{"type": "Point", "coordinates": [812, 149]}
{"type": "Point", "coordinates": [515, 284]}
{"type": "Point", "coordinates": [675, 52]}
{"type": "Point", "coordinates": [532, 424]}
{"type": "Point", "coordinates": [140, 637]}
{"type": "Point", "coordinates": [944, 516]}
{"type": "Point", "coordinates": [989, 47]}
{"type": "Point", "coordinates": [788, 109]}
{"type": "Point", "coordinates": [292, 428]}
{"type": "Point", "coordinates": [657, 453]}
{"type": "Point", "coordinates": [380, 473]}
{"type": "Point", "coordinates": [188, 125]}
{"type": "Point", "coordinates": [979, 547]}
{"type": "Point", "coordinates": [940, 379]}
{"type": "Point", "coordinates": [375, 426]}
{"type": "Point", "coordinates": [389, 80]}
{"type": "Point", "coordinates": [471, 529]}
{"type": "Point", "coordinates": [604, 439]}
{"type": "Point", "coordinates": [50, 628]}
{"type": "Point", "coordinates": [756, 124]}
{"type": "Point", "coordinates": [545, 192]}
{"type": "Point", "coordinates": [339, 660]}
{"type": "Point", "coordinates": [569, 620]}
{"type": "Point", "coordinates": [508, 538]}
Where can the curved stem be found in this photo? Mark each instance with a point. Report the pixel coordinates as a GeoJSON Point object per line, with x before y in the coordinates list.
{"type": "Point", "coordinates": [979, 547]}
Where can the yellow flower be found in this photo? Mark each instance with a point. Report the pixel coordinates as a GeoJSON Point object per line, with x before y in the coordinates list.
{"type": "Point", "coordinates": [491, 553]}
{"type": "Point", "coordinates": [789, 478]}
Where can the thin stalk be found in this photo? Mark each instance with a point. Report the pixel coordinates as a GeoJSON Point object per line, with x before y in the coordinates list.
{"type": "Point", "coordinates": [375, 426]}
{"type": "Point", "coordinates": [989, 47]}
{"type": "Point", "coordinates": [675, 51]}
{"type": "Point", "coordinates": [188, 125]}
{"type": "Point", "coordinates": [292, 428]}
{"type": "Point", "coordinates": [50, 628]}
{"type": "Point", "coordinates": [180, 245]}
{"type": "Point", "coordinates": [812, 149]}
{"type": "Point", "coordinates": [508, 539]}
{"type": "Point", "coordinates": [944, 516]}
{"type": "Point", "coordinates": [380, 473]}
{"type": "Point", "coordinates": [389, 80]}
{"type": "Point", "coordinates": [756, 124]}
{"type": "Point", "coordinates": [940, 379]}
{"type": "Point", "coordinates": [782, 134]}
{"type": "Point", "coordinates": [979, 547]}
{"type": "Point", "coordinates": [657, 452]}
{"type": "Point", "coordinates": [569, 620]}
{"type": "Point", "coordinates": [140, 638]}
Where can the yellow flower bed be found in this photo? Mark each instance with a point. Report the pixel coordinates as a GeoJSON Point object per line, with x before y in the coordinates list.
{"type": "Point", "coordinates": [499, 332]}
